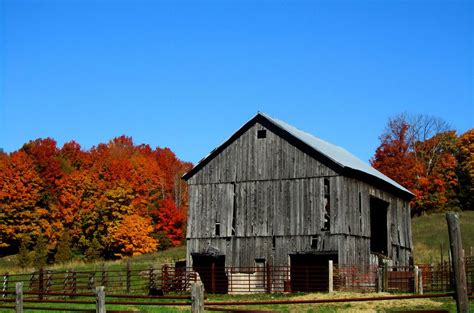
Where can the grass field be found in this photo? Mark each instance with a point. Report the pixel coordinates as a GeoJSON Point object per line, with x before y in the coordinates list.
{"type": "Point", "coordinates": [365, 307]}
{"type": "Point", "coordinates": [8, 263]}
{"type": "Point", "coordinates": [431, 232]}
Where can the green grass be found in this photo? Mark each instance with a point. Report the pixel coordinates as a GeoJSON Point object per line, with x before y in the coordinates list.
{"type": "Point", "coordinates": [9, 264]}
{"type": "Point", "coordinates": [430, 232]}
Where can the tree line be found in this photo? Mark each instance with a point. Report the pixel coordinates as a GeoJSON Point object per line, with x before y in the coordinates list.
{"type": "Point", "coordinates": [424, 154]}
{"type": "Point", "coordinates": [116, 199]}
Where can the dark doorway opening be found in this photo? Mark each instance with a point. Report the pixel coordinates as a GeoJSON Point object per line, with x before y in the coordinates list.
{"type": "Point", "coordinates": [211, 269]}
{"type": "Point", "coordinates": [378, 226]}
{"type": "Point", "coordinates": [310, 272]}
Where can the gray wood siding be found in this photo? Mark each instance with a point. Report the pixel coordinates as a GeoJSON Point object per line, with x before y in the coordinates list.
{"type": "Point", "coordinates": [278, 195]}
{"type": "Point", "coordinates": [249, 158]}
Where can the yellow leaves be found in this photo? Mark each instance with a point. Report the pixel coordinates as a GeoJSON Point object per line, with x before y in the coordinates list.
{"type": "Point", "coordinates": [133, 236]}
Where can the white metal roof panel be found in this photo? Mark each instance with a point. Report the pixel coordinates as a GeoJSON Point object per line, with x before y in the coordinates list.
{"type": "Point", "coordinates": [337, 154]}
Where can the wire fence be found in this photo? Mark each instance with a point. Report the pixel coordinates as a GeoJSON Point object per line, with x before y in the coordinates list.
{"type": "Point", "coordinates": [44, 281]}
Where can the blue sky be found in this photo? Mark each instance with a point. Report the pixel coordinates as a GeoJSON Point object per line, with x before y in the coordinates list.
{"type": "Point", "coordinates": [187, 74]}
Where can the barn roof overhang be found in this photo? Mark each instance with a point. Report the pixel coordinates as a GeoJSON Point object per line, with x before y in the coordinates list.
{"type": "Point", "coordinates": [332, 156]}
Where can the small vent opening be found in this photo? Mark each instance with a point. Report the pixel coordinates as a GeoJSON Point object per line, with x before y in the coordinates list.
{"type": "Point", "coordinates": [218, 229]}
{"type": "Point", "coordinates": [262, 133]}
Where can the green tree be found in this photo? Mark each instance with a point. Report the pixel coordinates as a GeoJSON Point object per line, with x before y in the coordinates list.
{"type": "Point", "coordinates": [24, 254]}
{"type": "Point", "coordinates": [41, 251]}
{"type": "Point", "coordinates": [94, 251]}
{"type": "Point", "coordinates": [63, 249]}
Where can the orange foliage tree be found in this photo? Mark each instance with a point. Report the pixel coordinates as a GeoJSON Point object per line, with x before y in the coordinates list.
{"type": "Point", "coordinates": [419, 152]}
{"type": "Point", "coordinates": [466, 169]}
{"type": "Point", "coordinates": [116, 198]}
{"type": "Point", "coordinates": [20, 195]}
{"type": "Point", "coordinates": [133, 236]}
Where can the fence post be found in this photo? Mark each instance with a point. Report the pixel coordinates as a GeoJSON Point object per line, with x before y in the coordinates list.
{"type": "Point", "coordinates": [40, 283]}
{"type": "Point", "coordinates": [197, 297]}
{"type": "Point", "coordinates": [129, 276]}
{"type": "Point", "coordinates": [420, 282]}
{"type": "Point", "coordinates": [74, 283]}
{"type": "Point", "coordinates": [66, 282]}
{"type": "Point", "coordinates": [151, 280]}
{"type": "Point", "coordinates": [5, 285]}
{"type": "Point", "coordinates": [19, 297]}
{"type": "Point", "coordinates": [331, 276]}
{"type": "Point", "coordinates": [49, 281]}
{"type": "Point", "coordinates": [457, 254]}
{"type": "Point", "coordinates": [32, 279]}
{"type": "Point", "coordinates": [90, 282]}
{"type": "Point", "coordinates": [269, 278]}
{"type": "Point", "coordinates": [165, 279]}
{"type": "Point", "coordinates": [415, 279]}
{"type": "Point", "coordinates": [385, 277]}
{"type": "Point", "coordinates": [379, 279]}
{"type": "Point", "coordinates": [100, 299]}
{"type": "Point", "coordinates": [104, 275]}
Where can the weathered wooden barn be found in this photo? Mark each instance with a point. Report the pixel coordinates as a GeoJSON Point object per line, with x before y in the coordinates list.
{"type": "Point", "coordinates": [273, 194]}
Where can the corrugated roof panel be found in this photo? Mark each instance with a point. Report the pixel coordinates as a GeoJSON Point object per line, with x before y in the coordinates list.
{"type": "Point", "coordinates": [337, 154]}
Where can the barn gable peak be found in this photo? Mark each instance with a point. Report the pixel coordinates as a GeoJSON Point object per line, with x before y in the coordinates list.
{"type": "Point", "coordinates": [333, 156]}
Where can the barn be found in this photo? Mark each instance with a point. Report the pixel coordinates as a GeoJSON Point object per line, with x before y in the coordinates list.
{"type": "Point", "coordinates": [275, 195]}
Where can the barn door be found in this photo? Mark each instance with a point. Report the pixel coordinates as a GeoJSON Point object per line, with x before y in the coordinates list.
{"type": "Point", "coordinates": [211, 269]}
{"type": "Point", "coordinates": [310, 272]}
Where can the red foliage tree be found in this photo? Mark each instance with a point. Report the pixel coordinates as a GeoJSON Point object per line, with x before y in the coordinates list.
{"type": "Point", "coordinates": [425, 164]}
{"type": "Point", "coordinates": [101, 197]}
{"type": "Point", "coordinates": [170, 220]}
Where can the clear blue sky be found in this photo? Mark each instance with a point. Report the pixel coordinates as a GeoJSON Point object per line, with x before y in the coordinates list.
{"type": "Point", "coordinates": [187, 74]}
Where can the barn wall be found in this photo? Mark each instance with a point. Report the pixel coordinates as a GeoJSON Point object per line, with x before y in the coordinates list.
{"type": "Point", "coordinates": [273, 194]}
{"type": "Point", "coordinates": [356, 220]}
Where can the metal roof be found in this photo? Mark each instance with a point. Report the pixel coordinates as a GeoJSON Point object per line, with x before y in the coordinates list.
{"type": "Point", "coordinates": [337, 154]}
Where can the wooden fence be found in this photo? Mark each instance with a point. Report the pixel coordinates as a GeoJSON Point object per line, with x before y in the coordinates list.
{"type": "Point", "coordinates": [129, 280]}
{"type": "Point", "coordinates": [21, 301]}
{"type": "Point", "coordinates": [238, 280]}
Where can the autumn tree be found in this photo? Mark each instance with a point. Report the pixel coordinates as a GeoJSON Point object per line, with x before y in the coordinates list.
{"type": "Point", "coordinates": [170, 220]}
{"type": "Point", "coordinates": [465, 158]}
{"type": "Point", "coordinates": [20, 195]}
{"type": "Point", "coordinates": [93, 197]}
{"type": "Point", "coordinates": [133, 236]}
{"type": "Point", "coordinates": [418, 152]}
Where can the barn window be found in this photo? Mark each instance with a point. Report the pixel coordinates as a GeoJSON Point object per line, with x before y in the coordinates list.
{"type": "Point", "coordinates": [273, 242]}
{"type": "Point", "coordinates": [262, 133]}
{"type": "Point", "coordinates": [218, 229]}
{"type": "Point", "coordinates": [314, 242]}
{"type": "Point", "coordinates": [378, 226]}
{"type": "Point", "coordinates": [327, 206]}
